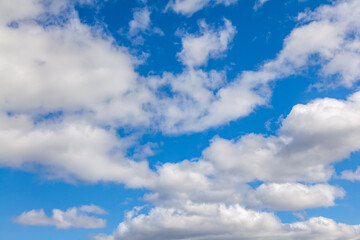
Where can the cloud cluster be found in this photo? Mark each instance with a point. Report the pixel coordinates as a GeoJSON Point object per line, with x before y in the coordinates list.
{"type": "Point", "coordinates": [311, 139]}
{"type": "Point", "coordinates": [50, 66]}
{"type": "Point", "coordinates": [71, 218]}
{"type": "Point", "coordinates": [76, 69]}
{"type": "Point", "coordinates": [73, 59]}
{"type": "Point", "coordinates": [190, 198]}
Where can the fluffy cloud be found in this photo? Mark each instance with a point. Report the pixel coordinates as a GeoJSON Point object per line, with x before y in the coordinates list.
{"type": "Point", "coordinates": [351, 175]}
{"type": "Point", "coordinates": [325, 38]}
{"type": "Point", "coordinates": [210, 105]}
{"type": "Point", "coordinates": [211, 43]}
{"type": "Point", "coordinates": [66, 68]}
{"type": "Point", "coordinates": [71, 218]}
{"type": "Point", "coordinates": [54, 62]}
{"type": "Point", "coordinates": [42, 65]}
{"type": "Point", "coordinates": [295, 196]}
{"type": "Point", "coordinates": [330, 38]}
{"type": "Point", "coordinates": [76, 69]}
{"type": "Point", "coordinates": [197, 182]}
{"type": "Point", "coordinates": [219, 221]}
{"type": "Point", "coordinates": [312, 137]}
{"type": "Point", "coordinates": [72, 59]}
{"type": "Point", "coordinates": [66, 147]}
{"type": "Point", "coordinates": [141, 21]}
{"type": "Point", "coordinates": [189, 7]}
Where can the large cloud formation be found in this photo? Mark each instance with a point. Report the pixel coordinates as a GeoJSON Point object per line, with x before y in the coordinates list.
{"type": "Point", "coordinates": [200, 198]}
{"type": "Point", "coordinates": [66, 87]}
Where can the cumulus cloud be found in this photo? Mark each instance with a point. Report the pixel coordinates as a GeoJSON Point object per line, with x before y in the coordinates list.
{"type": "Point", "coordinates": [351, 175]}
{"type": "Point", "coordinates": [189, 7]}
{"type": "Point", "coordinates": [141, 21]}
{"type": "Point", "coordinates": [210, 105]}
{"type": "Point", "coordinates": [65, 68]}
{"type": "Point", "coordinates": [66, 147]}
{"type": "Point", "coordinates": [325, 38]}
{"type": "Point", "coordinates": [78, 71]}
{"type": "Point", "coordinates": [71, 218]}
{"type": "Point", "coordinates": [219, 221]}
{"type": "Point", "coordinates": [295, 196]}
{"type": "Point", "coordinates": [329, 37]}
{"type": "Point", "coordinates": [43, 65]}
{"type": "Point", "coordinates": [311, 138]}
{"type": "Point", "coordinates": [197, 49]}
{"type": "Point", "coordinates": [53, 62]}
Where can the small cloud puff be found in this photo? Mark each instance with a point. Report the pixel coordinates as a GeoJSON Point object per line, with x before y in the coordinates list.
{"type": "Point", "coordinates": [76, 217]}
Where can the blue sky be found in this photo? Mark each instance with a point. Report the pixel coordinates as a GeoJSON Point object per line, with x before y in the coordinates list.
{"type": "Point", "coordinates": [180, 119]}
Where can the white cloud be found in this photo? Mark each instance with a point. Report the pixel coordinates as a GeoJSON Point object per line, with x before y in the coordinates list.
{"type": "Point", "coordinates": [311, 138]}
{"type": "Point", "coordinates": [57, 62]}
{"type": "Point", "coordinates": [219, 221]}
{"type": "Point", "coordinates": [66, 147]}
{"type": "Point", "coordinates": [211, 43]}
{"type": "Point", "coordinates": [212, 104]}
{"type": "Point", "coordinates": [21, 10]}
{"type": "Point", "coordinates": [329, 38]}
{"type": "Point", "coordinates": [71, 68]}
{"type": "Point", "coordinates": [259, 4]}
{"type": "Point", "coordinates": [43, 66]}
{"type": "Point", "coordinates": [47, 65]}
{"type": "Point", "coordinates": [351, 175]}
{"type": "Point", "coordinates": [189, 7]}
{"type": "Point", "coordinates": [295, 196]}
{"type": "Point", "coordinates": [141, 24]}
{"type": "Point", "coordinates": [77, 70]}
{"type": "Point", "coordinates": [326, 38]}
{"type": "Point", "coordinates": [92, 209]}
{"type": "Point", "coordinates": [141, 21]}
{"type": "Point", "coordinates": [199, 183]}
{"type": "Point", "coordinates": [71, 218]}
